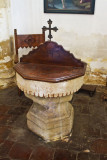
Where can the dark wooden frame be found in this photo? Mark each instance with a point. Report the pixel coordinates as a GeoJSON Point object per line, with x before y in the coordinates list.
{"type": "Point", "coordinates": [27, 40]}
{"type": "Point", "coordinates": [47, 10]}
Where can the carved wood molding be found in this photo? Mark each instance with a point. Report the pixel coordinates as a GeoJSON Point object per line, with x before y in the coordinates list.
{"type": "Point", "coordinates": [30, 40]}
{"type": "Point", "coordinates": [53, 54]}
{"type": "Point", "coordinates": [27, 40]}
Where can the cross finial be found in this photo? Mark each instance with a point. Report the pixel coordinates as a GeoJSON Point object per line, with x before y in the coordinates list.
{"type": "Point", "coordinates": [50, 29]}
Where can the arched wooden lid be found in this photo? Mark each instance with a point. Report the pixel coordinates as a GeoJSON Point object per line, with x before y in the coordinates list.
{"type": "Point", "coordinates": [50, 63]}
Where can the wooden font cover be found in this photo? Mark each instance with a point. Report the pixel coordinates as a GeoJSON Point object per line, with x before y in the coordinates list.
{"type": "Point", "coordinates": [50, 63]}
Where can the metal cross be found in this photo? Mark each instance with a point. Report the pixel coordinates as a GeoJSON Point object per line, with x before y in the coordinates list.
{"type": "Point", "coordinates": [50, 29]}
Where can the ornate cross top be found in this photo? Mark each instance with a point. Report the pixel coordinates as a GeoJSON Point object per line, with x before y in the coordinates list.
{"type": "Point", "coordinates": [50, 29]}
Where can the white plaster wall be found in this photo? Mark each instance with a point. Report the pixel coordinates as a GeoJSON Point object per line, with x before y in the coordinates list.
{"type": "Point", "coordinates": [29, 16]}
{"type": "Point", "coordinates": [5, 22]}
{"type": "Point", "coordinates": [83, 35]}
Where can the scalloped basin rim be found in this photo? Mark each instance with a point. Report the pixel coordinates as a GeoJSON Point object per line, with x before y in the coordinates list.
{"type": "Point", "coordinates": [48, 89]}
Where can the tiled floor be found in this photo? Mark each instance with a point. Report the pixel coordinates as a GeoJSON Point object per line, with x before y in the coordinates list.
{"type": "Point", "coordinates": [88, 141]}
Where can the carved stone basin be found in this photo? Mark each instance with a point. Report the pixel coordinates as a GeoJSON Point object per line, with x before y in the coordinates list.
{"type": "Point", "coordinates": [49, 76]}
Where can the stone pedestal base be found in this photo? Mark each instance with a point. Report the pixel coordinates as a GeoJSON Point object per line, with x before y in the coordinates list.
{"type": "Point", "coordinates": [51, 115]}
{"type": "Point", "coordinates": [50, 118]}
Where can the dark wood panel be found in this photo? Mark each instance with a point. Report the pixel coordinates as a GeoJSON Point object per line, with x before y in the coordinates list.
{"type": "Point", "coordinates": [27, 40]}
{"type": "Point", "coordinates": [48, 73]}
{"type": "Point", "coordinates": [30, 40]}
{"type": "Point", "coordinates": [53, 54]}
{"type": "Point", "coordinates": [50, 63]}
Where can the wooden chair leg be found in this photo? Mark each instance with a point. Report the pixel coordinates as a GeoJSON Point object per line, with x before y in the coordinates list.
{"type": "Point", "coordinates": [20, 93]}
{"type": "Point", "coordinates": [91, 89]}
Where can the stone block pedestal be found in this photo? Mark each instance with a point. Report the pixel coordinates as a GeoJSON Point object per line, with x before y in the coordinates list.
{"type": "Point", "coordinates": [51, 115]}
{"type": "Point", "coordinates": [50, 118]}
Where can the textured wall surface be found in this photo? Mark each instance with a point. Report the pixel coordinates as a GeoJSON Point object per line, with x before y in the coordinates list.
{"type": "Point", "coordinates": [92, 49]}
{"type": "Point", "coordinates": [6, 53]}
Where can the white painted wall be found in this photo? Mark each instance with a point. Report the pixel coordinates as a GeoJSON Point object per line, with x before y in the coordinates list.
{"type": "Point", "coordinates": [29, 16]}
{"type": "Point", "coordinates": [4, 19]}
{"type": "Point", "coordinates": [84, 35]}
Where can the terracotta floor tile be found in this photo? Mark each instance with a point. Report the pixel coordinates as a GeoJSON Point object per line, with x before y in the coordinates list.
{"type": "Point", "coordinates": [61, 154]}
{"type": "Point", "coordinates": [42, 153]}
{"type": "Point", "coordinates": [20, 151]}
{"type": "Point", "coordinates": [5, 148]}
{"type": "Point", "coordinates": [103, 157]}
{"type": "Point", "coordinates": [4, 132]}
{"type": "Point", "coordinates": [17, 111]}
{"type": "Point", "coordinates": [4, 158]}
{"type": "Point", "coordinates": [83, 156]}
{"type": "Point", "coordinates": [99, 146]}
{"type": "Point", "coordinates": [4, 109]}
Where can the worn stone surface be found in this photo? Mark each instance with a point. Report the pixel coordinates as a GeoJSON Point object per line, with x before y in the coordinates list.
{"type": "Point", "coordinates": [97, 76]}
{"type": "Point", "coordinates": [6, 46]}
{"type": "Point", "coordinates": [87, 142]}
{"type": "Point", "coordinates": [53, 120]}
{"type": "Point", "coordinates": [51, 115]}
{"type": "Point", "coordinates": [47, 89]}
